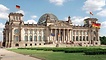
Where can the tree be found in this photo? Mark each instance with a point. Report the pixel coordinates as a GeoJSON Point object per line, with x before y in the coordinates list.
{"type": "Point", "coordinates": [103, 40]}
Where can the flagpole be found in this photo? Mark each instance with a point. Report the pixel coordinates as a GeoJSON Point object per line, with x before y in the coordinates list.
{"type": "Point", "coordinates": [91, 14]}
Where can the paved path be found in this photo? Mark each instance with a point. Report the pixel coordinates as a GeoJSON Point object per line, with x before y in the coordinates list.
{"type": "Point", "coordinates": [9, 55]}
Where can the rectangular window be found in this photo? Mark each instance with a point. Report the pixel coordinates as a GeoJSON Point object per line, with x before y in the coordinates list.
{"type": "Point", "coordinates": [30, 38]}
{"type": "Point", "coordinates": [83, 38]}
{"type": "Point", "coordinates": [73, 38]}
{"type": "Point", "coordinates": [16, 38]}
{"type": "Point", "coordinates": [39, 38]}
{"type": "Point", "coordinates": [76, 38]}
{"type": "Point", "coordinates": [94, 38]}
{"type": "Point", "coordinates": [26, 38]}
{"type": "Point", "coordinates": [35, 38]}
{"type": "Point", "coordinates": [43, 38]}
{"type": "Point", "coordinates": [87, 38]}
{"type": "Point", "coordinates": [80, 38]}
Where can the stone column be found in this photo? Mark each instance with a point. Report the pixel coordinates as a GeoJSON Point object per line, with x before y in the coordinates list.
{"type": "Point", "coordinates": [33, 35]}
{"type": "Point", "coordinates": [75, 35]}
{"type": "Point", "coordinates": [51, 36]}
{"type": "Point", "coordinates": [64, 35]}
{"type": "Point", "coordinates": [12, 37]}
{"type": "Point", "coordinates": [82, 35]}
{"type": "Point", "coordinates": [9, 37]}
{"type": "Point", "coordinates": [55, 35]}
{"type": "Point", "coordinates": [70, 35]}
{"type": "Point", "coordinates": [28, 34]}
{"type": "Point", "coordinates": [59, 37]}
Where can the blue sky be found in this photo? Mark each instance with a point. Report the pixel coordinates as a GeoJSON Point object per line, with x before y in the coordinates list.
{"type": "Point", "coordinates": [34, 9]}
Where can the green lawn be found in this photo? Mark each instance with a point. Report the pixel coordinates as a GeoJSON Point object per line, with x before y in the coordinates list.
{"type": "Point", "coordinates": [49, 55]}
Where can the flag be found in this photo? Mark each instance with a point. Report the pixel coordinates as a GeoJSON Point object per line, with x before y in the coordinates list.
{"type": "Point", "coordinates": [91, 13]}
{"type": "Point", "coordinates": [52, 34]}
{"type": "Point", "coordinates": [17, 6]}
{"type": "Point", "coordinates": [58, 35]}
{"type": "Point", "coordinates": [96, 25]}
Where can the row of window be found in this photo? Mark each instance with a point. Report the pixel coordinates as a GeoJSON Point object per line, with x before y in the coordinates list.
{"type": "Point", "coordinates": [39, 38]}
{"type": "Point", "coordinates": [30, 31]}
{"type": "Point", "coordinates": [35, 38]}
{"type": "Point", "coordinates": [17, 45]}
{"type": "Point", "coordinates": [35, 31]}
{"type": "Point", "coordinates": [83, 33]}
{"type": "Point", "coordinates": [80, 38]}
{"type": "Point", "coordinates": [16, 17]}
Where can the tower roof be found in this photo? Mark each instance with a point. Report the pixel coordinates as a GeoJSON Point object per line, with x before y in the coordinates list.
{"type": "Point", "coordinates": [16, 14]}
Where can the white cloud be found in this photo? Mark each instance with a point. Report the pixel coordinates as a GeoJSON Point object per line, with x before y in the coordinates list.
{"type": "Point", "coordinates": [102, 13]}
{"type": "Point", "coordinates": [77, 20]}
{"type": "Point", "coordinates": [4, 12]}
{"type": "Point", "coordinates": [30, 21]}
{"type": "Point", "coordinates": [2, 25]}
{"type": "Point", "coordinates": [93, 5]}
{"type": "Point", "coordinates": [1, 32]}
{"type": "Point", "coordinates": [3, 8]}
{"type": "Point", "coordinates": [20, 11]}
{"type": "Point", "coordinates": [103, 24]}
{"type": "Point", "coordinates": [58, 2]}
{"type": "Point", "coordinates": [34, 16]}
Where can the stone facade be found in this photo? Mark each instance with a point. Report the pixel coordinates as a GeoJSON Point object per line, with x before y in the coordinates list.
{"type": "Point", "coordinates": [49, 31]}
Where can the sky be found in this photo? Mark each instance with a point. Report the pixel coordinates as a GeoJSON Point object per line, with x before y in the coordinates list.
{"type": "Point", "coordinates": [34, 9]}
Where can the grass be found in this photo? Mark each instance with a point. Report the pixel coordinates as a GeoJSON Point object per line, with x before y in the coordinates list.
{"type": "Point", "coordinates": [49, 55]}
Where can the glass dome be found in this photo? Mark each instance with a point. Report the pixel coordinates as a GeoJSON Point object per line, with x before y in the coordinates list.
{"type": "Point", "coordinates": [42, 19]}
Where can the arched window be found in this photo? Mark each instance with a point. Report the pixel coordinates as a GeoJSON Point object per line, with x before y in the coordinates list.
{"type": "Point", "coordinates": [16, 31]}
{"type": "Point", "coordinates": [25, 44]}
{"type": "Point", "coordinates": [16, 44]}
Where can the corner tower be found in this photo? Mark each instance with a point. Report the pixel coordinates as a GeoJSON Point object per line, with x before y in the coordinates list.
{"type": "Point", "coordinates": [15, 18]}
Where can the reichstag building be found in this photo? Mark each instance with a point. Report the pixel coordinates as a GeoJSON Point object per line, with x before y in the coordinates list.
{"type": "Point", "coordinates": [49, 32]}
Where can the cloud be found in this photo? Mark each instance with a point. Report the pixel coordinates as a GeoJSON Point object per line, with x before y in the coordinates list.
{"type": "Point", "coordinates": [2, 25]}
{"type": "Point", "coordinates": [3, 8]}
{"type": "Point", "coordinates": [1, 30]}
{"type": "Point", "coordinates": [93, 5]}
{"type": "Point", "coordinates": [34, 16]}
{"type": "Point", "coordinates": [102, 13]}
{"type": "Point", "coordinates": [58, 2]}
{"type": "Point", "coordinates": [103, 24]}
{"type": "Point", "coordinates": [30, 21]}
{"type": "Point", "coordinates": [77, 20]}
{"type": "Point", "coordinates": [4, 12]}
{"type": "Point", "coordinates": [21, 11]}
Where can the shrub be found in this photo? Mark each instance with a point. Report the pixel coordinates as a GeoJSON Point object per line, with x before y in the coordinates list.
{"type": "Point", "coordinates": [95, 52]}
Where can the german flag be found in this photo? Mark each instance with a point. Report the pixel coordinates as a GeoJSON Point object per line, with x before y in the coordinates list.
{"type": "Point", "coordinates": [91, 13]}
{"type": "Point", "coordinates": [96, 25]}
{"type": "Point", "coordinates": [17, 6]}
